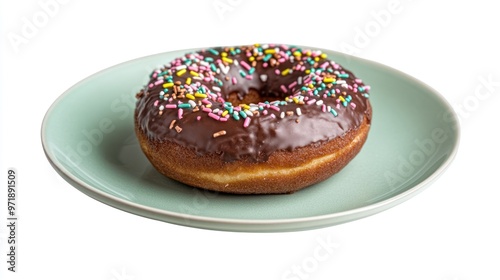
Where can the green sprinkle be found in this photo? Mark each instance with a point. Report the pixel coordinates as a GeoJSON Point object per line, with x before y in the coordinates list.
{"type": "Point", "coordinates": [243, 114]}
{"type": "Point", "coordinates": [184, 105]}
{"type": "Point", "coordinates": [251, 71]}
{"type": "Point", "coordinates": [209, 59]}
{"type": "Point", "coordinates": [333, 112]}
{"type": "Point", "coordinates": [361, 89]}
{"type": "Point", "coordinates": [343, 75]}
{"type": "Point", "coordinates": [242, 73]}
{"type": "Point", "coordinates": [267, 57]}
{"type": "Point", "coordinates": [214, 52]}
{"type": "Point", "coordinates": [235, 116]}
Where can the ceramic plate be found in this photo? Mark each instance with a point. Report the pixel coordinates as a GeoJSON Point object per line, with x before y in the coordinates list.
{"type": "Point", "coordinates": [88, 137]}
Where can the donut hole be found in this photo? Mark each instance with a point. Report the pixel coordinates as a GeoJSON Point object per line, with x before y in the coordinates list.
{"type": "Point", "coordinates": [252, 96]}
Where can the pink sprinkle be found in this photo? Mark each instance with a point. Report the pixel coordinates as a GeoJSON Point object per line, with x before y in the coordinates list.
{"type": "Point", "coordinates": [156, 103]}
{"type": "Point", "coordinates": [367, 88]}
{"type": "Point", "coordinates": [311, 101]}
{"type": "Point", "coordinates": [247, 122]}
{"type": "Point", "coordinates": [324, 65]}
{"type": "Point", "coordinates": [213, 116]}
{"type": "Point", "coordinates": [158, 82]}
{"type": "Point", "coordinates": [244, 64]}
{"type": "Point", "coordinates": [281, 60]}
{"type": "Point", "coordinates": [207, 110]}
{"type": "Point", "coordinates": [302, 68]}
{"type": "Point", "coordinates": [283, 88]}
{"type": "Point", "coordinates": [198, 118]}
{"type": "Point", "coordinates": [292, 84]}
{"type": "Point", "coordinates": [234, 80]}
{"type": "Point", "coordinates": [274, 108]}
{"type": "Point", "coordinates": [151, 85]}
{"type": "Point", "coordinates": [353, 105]}
{"type": "Point", "coordinates": [179, 113]}
{"type": "Point", "coordinates": [155, 74]}
{"type": "Point", "coordinates": [337, 90]}
{"type": "Point", "coordinates": [205, 101]}
{"type": "Point", "coordinates": [264, 112]}
{"type": "Point", "coordinates": [359, 81]}
{"type": "Point", "coordinates": [323, 108]}
{"type": "Point", "coordinates": [170, 106]}
{"type": "Point", "coordinates": [277, 71]}
{"type": "Point", "coordinates": [273, 116]}
{"type": "Point", "coordinates": [249, 77]}
{"type": "Point", "coordinates": [249, 54]}
{"type": "Point", "coordinates": [338, 106]}
{"type": "Point", "coordinates": [264, 65]}
{"type": "Point", "coordinates": [223, 119]}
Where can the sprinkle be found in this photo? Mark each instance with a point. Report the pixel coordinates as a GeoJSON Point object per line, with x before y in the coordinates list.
{"type": "Point", "coordinates": [246, 123]}
{"type": "Point", "coordinates": [200, 95]}
{"type": "Point", "coordinates": [219, 133]}
{"type": "Point", "coordinates": [243, 114]}
{"type": "Point", "coordinates": [179, 113]}
{"type": "Point", "coordinates": [214, 116]}
{"type": "Point", "coordinates": [193, 73]}
{"type": "Point", "coordinates": [181, 72]}
{"type": "Point", "coordinates": [178, 129]}
{"type": "Point", "coordinates": [172, 123]}
{"type": "Point", "coordinates": [299, 112]}
{"type": "Point", "coordinates": [263, 77]}
{"type": "Point", "coordinates": [283, 88]}
{"type": "Point", "coordinates": [245, 65]}
{"type": "Point", "coordinates": [168, 85]}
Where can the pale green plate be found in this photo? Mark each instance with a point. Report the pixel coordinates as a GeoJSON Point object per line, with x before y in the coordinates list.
{"type": "Point", "coordinates": [88, 137]}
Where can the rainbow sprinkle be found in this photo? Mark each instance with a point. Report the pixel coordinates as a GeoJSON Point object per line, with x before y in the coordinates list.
{"type": "Point", "coordinates": [193, 83]}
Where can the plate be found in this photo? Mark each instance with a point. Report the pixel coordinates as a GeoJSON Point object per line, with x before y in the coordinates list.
{"type": "Point", "coordinates": [88, 137]}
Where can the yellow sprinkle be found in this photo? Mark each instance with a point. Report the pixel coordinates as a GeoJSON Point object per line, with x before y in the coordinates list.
{"type": "Point", "coordinates": [308, 71]}
{"type": "Point", "coordinates": [223, 54]}
{"type": "Point", "coordinates": [341, 98]}
{"type": "Point", "coordinates": [194, 73]}
{"type": "Point", "coordinates": [225, 113]}
{"type": "Point", "coordinates": [271, 51]}
{"type": "Point", "coordinates": [201, 95]}
{"type": "Point", "coordinates": [286, 99]}
{"type": "Point", "coordinates": [308, 53]}
{"type": "Point", "coordinates": [296, 100]}
{"type": "Point", "coordinates": [181, 72]}
{"type": "Point", "coordinates": [245, 106]}
{"type": "Point", "coordinates": [311, 86]}
{"type": "Point", "coordinates": [188, 80]}
{"type": "Point", "coordinates": [285, 72]}
{"type": "Point", "coordinates": [167, 85]}
{"type": "Point", "coordinates": [228, 60]}
{"type": "Point", "coordinates": [324, 55]}
{"type": "Point", "coordinates": [297, 53]}
{"type": "Point", "coordinates": [316, 59]}
{"type": "Point", "coordinates": [190, 96]}
{"type": "Point", "coordinates": [208, 105]}
{"type": "Point", "coordinates": [328, 80]}
{"type": "Point", "coordinates": [257, 45]}
{"type": "Point", "coordinates": [252, 58]}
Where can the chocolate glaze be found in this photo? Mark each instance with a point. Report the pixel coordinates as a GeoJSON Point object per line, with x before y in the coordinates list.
{"type": "Point", "coordinates": [265, 133]}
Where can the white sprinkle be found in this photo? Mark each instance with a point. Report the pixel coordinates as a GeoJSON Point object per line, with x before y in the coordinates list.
{"type": "Point", "coordinates": [299, 80]}
{"type": "Point", "coordinates": [204, 63]}
{"type": "Point", "coordinates": [282, 115]}
{"type": "Point", "coordinates": [263, 77]}
{"type": "Point", "coordinates": [193, 104]}
{"type": "Point", "coordinates": [180, 67]}
{"type": "Point", "coordinates": [235, 62]}
{"type": "Point", "coordinates": [216, 88]}
{"type": "Point", "coordinates": [161, 107]}
{"type": "Point", "coordinates": [298, 112]}
{"type": "Point", "coordinates": [319, 102]}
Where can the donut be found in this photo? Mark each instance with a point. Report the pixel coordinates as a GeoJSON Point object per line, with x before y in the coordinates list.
{"type": "Point", "coordinates": [255, 119]}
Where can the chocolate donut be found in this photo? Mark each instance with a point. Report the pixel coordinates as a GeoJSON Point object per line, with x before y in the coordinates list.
{"type": "Point", "coordinates": [256, 119]}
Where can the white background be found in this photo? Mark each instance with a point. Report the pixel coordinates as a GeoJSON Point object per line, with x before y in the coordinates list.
{"type": "Point", "coordinates": [448, 232]}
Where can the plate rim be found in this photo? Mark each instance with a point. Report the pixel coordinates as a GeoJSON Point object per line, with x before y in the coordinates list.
{"type": "Point", "coordinates": [249, 225]}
